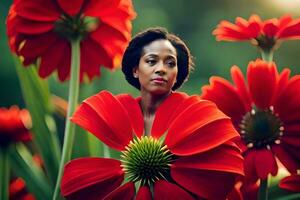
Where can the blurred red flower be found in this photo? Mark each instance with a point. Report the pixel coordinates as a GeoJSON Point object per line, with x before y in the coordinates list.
{"type": "Point", "coordinates": [42, 29]}
{"type": "Point", "coordinates": [14, 125]}
{"type": "Point", "coordinates": [18, 191]}
{"type": "Point", "coordinates": [189, 153]}
{"type": "Point", "coordinates": [291, 183]}
{"type": "Point", "coordinates": [266, 113]}
{"type": "Point", "coordinates": [264, 34]}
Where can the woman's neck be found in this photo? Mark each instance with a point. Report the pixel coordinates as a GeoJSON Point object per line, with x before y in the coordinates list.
{"type": "Point", "coordinates": [149, 102]}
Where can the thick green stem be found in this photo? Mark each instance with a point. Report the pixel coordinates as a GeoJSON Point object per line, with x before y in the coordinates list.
{"type": "Point", "coordinates": [267, 55]}
{"type": "Point", "coordinates": [263, 189]}
{"type": "Point", "coordinates": [70, 127]}
{"type": "Point", "coordinates": [4, 174]}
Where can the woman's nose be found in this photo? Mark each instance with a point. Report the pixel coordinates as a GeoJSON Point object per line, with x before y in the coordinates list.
{"type": "Point", "coordinates": [160, 69]}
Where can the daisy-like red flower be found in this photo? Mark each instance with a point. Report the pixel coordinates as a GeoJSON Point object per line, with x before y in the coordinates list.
{"type": "Point", "coordinates": [14, 125]}
{"type": "Point", "coordinates": [189, 153]}
{"type": "Point", "coordinates": [18, 191]}
{"type": "Point", "coordinates": [266, 113]}
{"type": "Point", "coordinates": [264, 34]}
{"type": "Point", "coordinates": [43, 28]}
{"type": "Point", "coordinates": [291, 183]}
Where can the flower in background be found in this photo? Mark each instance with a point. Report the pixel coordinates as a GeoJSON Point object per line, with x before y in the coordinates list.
{"type": "Point", "coordinates": [188, 154]}
{"type": "Point", "coordinates": [264, 34]}
{"type": "Point", "coordinates": [40, 30]}
{"type": "Point", "coordinates": [291, 183]}
{"type": "Point", "coordinates": [266, 112]}
{"type": "Point", "coordinates": [14, 125]}
{"type": "Point", "coordinates": [18, 191]}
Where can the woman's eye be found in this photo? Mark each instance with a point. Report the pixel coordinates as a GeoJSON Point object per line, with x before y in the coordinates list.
{"type": "Point", "coordinates": [151, 62]}
{"type": "Point", "coordinates": [171, 63]}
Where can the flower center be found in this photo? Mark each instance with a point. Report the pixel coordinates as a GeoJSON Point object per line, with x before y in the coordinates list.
{"type": "Point", "coordinates": [261, 128]}
{"type": "Point", "coordinates": [146, 160]}
{"type": "Point", "coordinates": [265, 43]}
{"type": "Point", "coordinates": [75, 27]}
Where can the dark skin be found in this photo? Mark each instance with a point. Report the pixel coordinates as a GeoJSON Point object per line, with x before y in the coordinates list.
{"type": "Point", "coordinates": [157, 72]}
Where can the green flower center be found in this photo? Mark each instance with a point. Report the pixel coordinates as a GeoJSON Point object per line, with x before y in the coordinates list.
{"type": "Point", "coordinates": [146, 160]}
{"type": "Point", "coordinates": [75, 27]}
{"type": "Point", "coordinates": [261, 128]}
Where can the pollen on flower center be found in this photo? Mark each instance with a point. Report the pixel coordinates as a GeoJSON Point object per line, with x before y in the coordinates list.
{"type": "Point", "coordinates": [74, 27]}
{"type": "Point", "coordinates": [261, 128]}
{"type": "Point", "coordinates": [146, 160]}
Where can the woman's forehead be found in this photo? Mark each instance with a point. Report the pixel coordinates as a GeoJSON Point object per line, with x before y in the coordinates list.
{"type": "Point", "coordinates": [159, 46]}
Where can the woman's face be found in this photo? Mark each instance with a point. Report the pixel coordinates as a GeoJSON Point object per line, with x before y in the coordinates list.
{"type": "Point", "coordinates": [157, 70]}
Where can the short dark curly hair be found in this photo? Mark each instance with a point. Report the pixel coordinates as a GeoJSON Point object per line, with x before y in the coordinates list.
{"type": "Point", "coordinates": [133, 53]}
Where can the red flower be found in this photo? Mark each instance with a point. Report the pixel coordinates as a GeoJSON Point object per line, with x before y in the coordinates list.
{"type": "Point", "coordinates": [266, 113]}
{"type": "Point", "coordinates": [14, 125]}
{"type": "Point", "coordinates": [188, 154]}
{"type": "Point", "coordinates": [291, 183]}
{"type": "Point", "coordinates": [43, 28]}
{"type": "Point", "coordinates": [18, 191]}
{"type": "Point", "coordinates": [263, 33]}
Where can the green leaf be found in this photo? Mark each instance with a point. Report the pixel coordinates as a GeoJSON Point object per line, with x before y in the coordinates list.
{"type": "Point", "coordinates": [37, 98]}
{"type": "Point", "coordinates": [4, 174]}
{"type": "Point", "coordinates": [24, 166]}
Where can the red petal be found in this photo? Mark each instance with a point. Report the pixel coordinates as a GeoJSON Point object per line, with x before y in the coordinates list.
{"type": "Point", "coordinates": [238, 79]}
{"type": "Point", "coordinates": [283, 80]}
{"type": "Point", "coordinates": [134, 112]}
{"type": "Point", "coordinates": [107, 6]}
{"type": "Point", "coordinates": [207, 184]}
{"type": "Point", "coordinates": [221, 92]}
{"type": "Point", "coordinates": [283, 153]}
{"type": "Point", "coordinates": [51, 59]}
{"type": "Point", "coordinates": [107, 112]}
{"type": "Point", "coordinates": [71, 8]}
{"type": "Point", "coordinates": [166, 113]}
{"type": "Point", "coordinates": [291, 30]}
{"type": "Point", "coordinates": [262, 82]}
{"type": "Point", "coordinates": [249, 166]}
{"type": "Point", "coordinates": [144, 194]}
{"type": "Point", "coordinates": [32, 27]}
{"type": "Point", "coordinates": [225, 158]}
{"type": "Point", "coordinates": [164, 190]}
{"type": "Point", "coordinates": [37, 45]}
{"type": "Point", "coordinates": [65, 65]}
{"type": "Point", "coordinates": [199, 128]}
{"type": "Point", "coordinates": [124, 192]}
{"type": "Point", "coordinates": [291, 183]}
{"type": "Point", "coordinates": [265, 163]}
{"type": "Point", "coordinates": [38, 10]}
{"type": "Point", "coordinates": [289, 110]}
{"type": "Point", "coordinates": [111, 40]}
{"type": "Point", "coordinates": [84, 176]}
{"type": "Point", "coordinates": [270, 27]}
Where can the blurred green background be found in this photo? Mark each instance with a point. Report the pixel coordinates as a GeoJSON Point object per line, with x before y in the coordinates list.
{"type": "Point", "coordinates": [193, 21]}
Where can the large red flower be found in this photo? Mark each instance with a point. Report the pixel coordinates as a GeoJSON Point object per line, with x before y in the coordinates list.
{"type": "Point", "coordinates": [14, 125]}
{"type": "Point", "coordinates": [43, 28]}
{"type": "Point", "coordinates": [263, 33]}
{"type": "Point", "coordinates": [189, 153]}
{"type": "Point", "coordinates": [266, 112]}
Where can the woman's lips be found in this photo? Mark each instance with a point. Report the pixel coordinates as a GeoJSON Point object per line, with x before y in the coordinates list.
{"type": "Point", "coordinates": [159, 80]}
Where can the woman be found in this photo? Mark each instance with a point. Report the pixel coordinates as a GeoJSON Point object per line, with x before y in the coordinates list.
{"type": "Point", "coordinates": [155, 62]}
{"type": "Point", "coordinates": [173, 146]}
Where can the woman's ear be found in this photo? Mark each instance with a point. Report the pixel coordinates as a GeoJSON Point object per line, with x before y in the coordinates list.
{"type": "Point", "coordinates": [135, 72]}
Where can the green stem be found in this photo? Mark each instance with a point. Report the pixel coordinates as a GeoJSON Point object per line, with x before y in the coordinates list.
{"type": "Point", "coordinates": [70, 127]}
{"type": "Point", "coordinates": [4, 174]}
{"type": "Point", "coordinates": [263, 189]}
{"type": "Point", "coordinates": [267, 55]}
